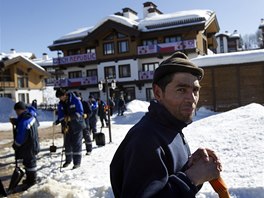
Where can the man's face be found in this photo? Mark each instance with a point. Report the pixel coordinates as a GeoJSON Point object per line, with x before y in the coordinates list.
{"type": "Point", "coordinates": [19, 111]}
{"type": "Point", "coordinates": [181, 96]}
{"type": "Point", "coordinates": [63, 98]}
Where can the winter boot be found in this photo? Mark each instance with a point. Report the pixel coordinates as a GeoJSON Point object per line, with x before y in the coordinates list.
{"type": "Point", "coordinates": [31, 178]}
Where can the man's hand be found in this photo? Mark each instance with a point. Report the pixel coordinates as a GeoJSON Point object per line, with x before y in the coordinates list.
{"type": "Point", "coordinates": [204, 154]}
{"type": "Point", "coordinates": [204, 165]}
{"type": "Point", "coordinates": [202, 171]}
{"type": "Point", "coordinates": [12, 120]}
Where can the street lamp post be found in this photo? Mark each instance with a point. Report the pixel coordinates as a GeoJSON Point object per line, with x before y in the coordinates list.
{"type": "Point", "coordinates": [100, 87]}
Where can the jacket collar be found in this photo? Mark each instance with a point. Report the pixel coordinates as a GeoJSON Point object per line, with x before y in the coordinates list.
{"type": "Point", "coordinates": [158, 112]}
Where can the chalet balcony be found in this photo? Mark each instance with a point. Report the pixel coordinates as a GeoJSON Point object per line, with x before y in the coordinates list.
{"type": "Point", "coordinates": [79, 58]}
{"type": "Point", "coordinates": [7, 84]}
{"type": "Point", "coordinates": [76, 82]}
{"type": "Point", "coordinates": [166, 47]}
{"type": "Point", "coordinates": [146, 75]}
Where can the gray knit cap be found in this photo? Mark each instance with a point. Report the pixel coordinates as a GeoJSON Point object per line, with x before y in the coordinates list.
{"type": "Point", "coordinates": [177, 62]}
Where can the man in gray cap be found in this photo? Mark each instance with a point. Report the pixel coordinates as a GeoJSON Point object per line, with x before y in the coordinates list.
{"type": "Point", "coordinates": [154, 159]}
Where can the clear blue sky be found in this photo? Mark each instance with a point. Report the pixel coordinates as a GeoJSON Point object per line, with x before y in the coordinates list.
{"type": "Point", "coordinates": [32, 25]}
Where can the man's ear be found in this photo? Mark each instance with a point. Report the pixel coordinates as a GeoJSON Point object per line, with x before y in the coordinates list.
{"type": "Point", "coordinates": [157, 92]}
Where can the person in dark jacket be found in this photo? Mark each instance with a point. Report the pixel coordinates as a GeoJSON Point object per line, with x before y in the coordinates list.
{"type": "Point", "coordinates": [26, 141]}
{"type": "Point", "coordinates": [70, 115]}
{"type": "Point", "coordinates": [102, 112]}
{"type": "Point", "coordinates": [86, 131]}
{"type": "Point", "coordinates": [154, 159]}
{"type": "Point", "coordinates": [93, 118]}
{"type": "Point", "coordinates": [121, 106]}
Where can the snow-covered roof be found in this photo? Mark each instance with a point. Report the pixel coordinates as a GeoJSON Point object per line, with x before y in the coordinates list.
{"type": "Point", "coordinates": [79, 33]}
{"type": "Point", "coordinates": [175, 19]}
{"type": "Point", "coordinates": [11, 55]}
{"type": "Point", "coordinates": [119, 19]}
{"type": "Point", "coordinates": [230, 35]}
{"type": "Point", "coordinates": [229, 58]}
{"type": "Point", "coordinates": [150, 23]}
{"type": "Point", "coordinates": [43, 62]}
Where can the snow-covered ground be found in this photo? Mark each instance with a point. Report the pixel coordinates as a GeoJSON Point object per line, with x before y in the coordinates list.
{"type": "Point", "coordinates": [237, 136]}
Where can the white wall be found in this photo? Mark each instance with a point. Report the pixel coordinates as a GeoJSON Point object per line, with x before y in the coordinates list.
{"type": "Point", "coordinates": [133, 66]}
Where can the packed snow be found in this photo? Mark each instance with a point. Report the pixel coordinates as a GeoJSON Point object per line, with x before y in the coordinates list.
{"type": "Point", "coordinates": [237, 136]}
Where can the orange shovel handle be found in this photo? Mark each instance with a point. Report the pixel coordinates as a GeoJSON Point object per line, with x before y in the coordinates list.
{"type": "Point", "coordinates": [220, 187]}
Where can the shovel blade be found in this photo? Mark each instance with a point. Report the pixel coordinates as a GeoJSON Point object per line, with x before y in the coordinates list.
{"type": "Point", "coordinates": [53, 149]}
{"type": "Point", "coordinates": [2, 189]}
{"type": "Point", "coordinates": [15, 179]}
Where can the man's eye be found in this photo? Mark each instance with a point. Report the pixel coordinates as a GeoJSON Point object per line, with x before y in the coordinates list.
{"type": "Point", "coordinates": [182, 90]}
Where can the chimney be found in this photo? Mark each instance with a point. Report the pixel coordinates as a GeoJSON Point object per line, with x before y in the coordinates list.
{"type": "Point", "coordinates": [130, 14]}
{"type": "Point", "coordinates": [262, 21]}
{"type": "Point", "coordinates": [235, 32]}
{"type": "Point", "coordinates": [45, 56]}
{"type": "Point", "coordinates": [150, 9]}
{"type": "Point", "coordinates": [12, 51]}
{"type": "Point", "coordinates": [226, 32]}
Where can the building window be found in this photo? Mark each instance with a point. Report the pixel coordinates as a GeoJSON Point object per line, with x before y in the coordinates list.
{"type": "Point", "coordinates": [75, 74]}
{"type": "Point", "coordinates": [172, 39]}
{"type": "Point", "coordinates": [150, 42]}
{"type": "Point", "coordinates": [109, 48]}
{"type": "Point", "coordinates": [74, 52]}
{"type": "Point", "coordinates": [90, 50]}
{"type": "Point", "coordinates": [22, 79]}
{"type": "Point", "coordinates": [5, 76]}
{"type": "Point", "coordinates": [149, 94]}
{"type": "Point", "coordinates": [221, 45]}
{"type": "Point", "coordinates": [24, 97]}
{"type": "Point", "coordinates": [123, 46]}
{"type": "Point", "coordinates": [120, 35]}
{"type": "Point", "coordinates": [124, 71]}
{"type": "Point", "coordinates": [91, 72]}
{"type": "Point", "coordinates": [150, 66]}
{"type": "Point", "coordinates": [110, 72]}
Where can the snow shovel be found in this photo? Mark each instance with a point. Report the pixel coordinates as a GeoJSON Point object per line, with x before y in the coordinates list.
{"type": "Point", "coordinates": [53, 148]}
{"type": "Point", "coordinates": [220, 187]}
{"type": "Point", "coordinates": [2, 189]}
{"type": "Point", "coordinates": [16, 177]}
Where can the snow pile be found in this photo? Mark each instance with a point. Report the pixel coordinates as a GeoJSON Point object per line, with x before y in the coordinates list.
{"type": "Point", "coordinates": [52, 188]}
{"type": "Point", "coordinates": [137, 106]}
{"type": "Point", "coordinates": [237, 136]}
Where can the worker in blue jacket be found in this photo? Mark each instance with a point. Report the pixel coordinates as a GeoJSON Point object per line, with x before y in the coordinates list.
{"type": "Point", "coordinates": [70, 115]}
{"type": "Point", "coordinates": [26, 141]}
{"type": "Point", "coordinates": [93, 118]}
{"type": "Point", "coordinates": [154, 159]}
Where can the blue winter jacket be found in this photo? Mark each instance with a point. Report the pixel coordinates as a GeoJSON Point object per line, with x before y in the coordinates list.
{"type": "Point", "coordinates": [151, 160]}
{"type": "Point", "coordinates": [72, 108]}
{"type": "Point", "coordinates": [26, 135]}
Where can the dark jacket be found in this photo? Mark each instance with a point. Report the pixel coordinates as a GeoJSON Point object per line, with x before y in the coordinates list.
{"type": "Point", "coordinates": [101, 109]}
{"type": "Point", "coordinates": [26, 136]}
{"type": "Point", "coordinates": [86, 108]}
{"type": "Point", "coordinates": [73, 109]}
{"type": "Point", "coordinates": [150, 161]}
